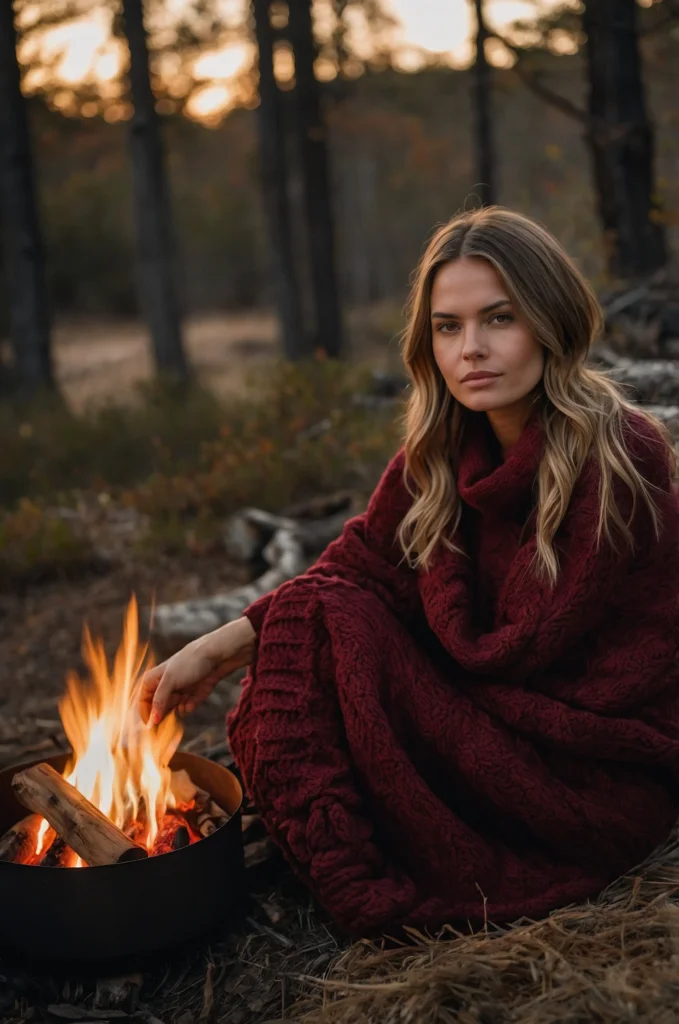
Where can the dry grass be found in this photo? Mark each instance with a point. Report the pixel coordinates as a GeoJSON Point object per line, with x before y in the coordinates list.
{"type": "Point", "coordinates": [614, 960]}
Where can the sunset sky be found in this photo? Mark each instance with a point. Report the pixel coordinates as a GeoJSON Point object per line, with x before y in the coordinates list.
{"type": "Point", "coordinates": [433, 26]}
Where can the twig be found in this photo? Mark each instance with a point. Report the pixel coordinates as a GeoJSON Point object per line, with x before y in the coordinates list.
{"type": "Point", "coordinates": [264, 929]}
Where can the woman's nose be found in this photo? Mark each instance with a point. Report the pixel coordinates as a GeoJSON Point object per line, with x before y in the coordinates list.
{"type": "Point", "coordinates": [472, 342]}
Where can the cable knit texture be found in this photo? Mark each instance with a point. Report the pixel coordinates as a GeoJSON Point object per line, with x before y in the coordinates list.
{"type": "Point", "coordinates": [431, 747]}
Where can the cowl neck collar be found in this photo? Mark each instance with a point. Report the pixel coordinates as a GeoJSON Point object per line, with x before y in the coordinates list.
{"type": "Point", "coordinates": [491, 486]}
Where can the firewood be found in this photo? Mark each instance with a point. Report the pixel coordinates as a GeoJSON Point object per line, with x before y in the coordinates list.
{"type": "Point", "coordinates": [209, 815]}
{"type": "Point", "coordinates": [182, 787]}
{"type": "Point", "coordinates": [85, 829]}
{"type": "Point", "coordinates": [18, 843]}
{"type": "Point", "coordinates": [211, 818]}
{"type": "Point", "coordinates": [56, 854]}
{"type": "Point", "coordinates": [173, 835]}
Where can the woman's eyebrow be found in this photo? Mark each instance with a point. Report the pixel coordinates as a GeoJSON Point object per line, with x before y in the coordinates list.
{"type": "Point", "coordinates": [486, 309]}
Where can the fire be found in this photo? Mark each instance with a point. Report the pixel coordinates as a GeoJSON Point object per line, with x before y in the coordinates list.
{"type": "Point", "coordinates": [118, 763]}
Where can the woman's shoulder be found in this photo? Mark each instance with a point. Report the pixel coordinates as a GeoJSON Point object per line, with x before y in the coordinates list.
{"type": "Point", "coordinates": [648, 445]}
{"type": "Point", "coordinates": [392, 481]}
{"type": "Point", "coordinates": [391, 498]}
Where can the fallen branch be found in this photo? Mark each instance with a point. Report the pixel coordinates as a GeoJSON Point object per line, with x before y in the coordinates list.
{"type": "Point", "coordinates": [288, 545]}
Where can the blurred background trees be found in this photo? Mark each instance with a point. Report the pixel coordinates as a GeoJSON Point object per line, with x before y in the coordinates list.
{"type": "Point", "coordinates": [158, 279]}
{"type": "Point", "coordinates": [621, 139]}
{"type": "Point", "coordinates": [306, 177]}
{"type": "Point", "coordinates": [22, 245]}
{"type": "Point", "coordinates": [486, 168]}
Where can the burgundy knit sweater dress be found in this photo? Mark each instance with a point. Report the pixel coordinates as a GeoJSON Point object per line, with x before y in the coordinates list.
{"type": "Point", "coordinates": [432, 747]}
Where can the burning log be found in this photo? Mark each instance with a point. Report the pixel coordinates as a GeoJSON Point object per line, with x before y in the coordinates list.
{"type": "Point", "coordinates": [172, 835]}
{"type": "Point", "coordinates": [82, 825]}
{"type": "Point", "coordinates": [19, 842]}
{"type": "Point", "coordinates": [207, 815]}
{"type": "Point", "coordinates": [58, 855]}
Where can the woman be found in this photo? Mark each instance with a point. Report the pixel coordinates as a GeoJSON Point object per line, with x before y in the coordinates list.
{"type": "Point", "coordinates": [469, 705]}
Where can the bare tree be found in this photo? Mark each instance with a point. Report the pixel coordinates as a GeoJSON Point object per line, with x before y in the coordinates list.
{"type": "Point", "coordinates": [313, 147]}
{"type": "Point", "coordinates": [274, 177]}
{"type": "Point", "coordinates": [157, 261]}
{"type": "Point", "coordinates": [621, 138]}
{"type": "Point", "coordinates": [21, 237]}
{"type": "Point", "coordinates": [483, 133]}
{"type": "Point", "coordinates": [617, 129]}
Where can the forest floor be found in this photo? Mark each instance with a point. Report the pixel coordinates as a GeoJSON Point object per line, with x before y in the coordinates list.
{"type": "Point", "coordinates": [98, 361]}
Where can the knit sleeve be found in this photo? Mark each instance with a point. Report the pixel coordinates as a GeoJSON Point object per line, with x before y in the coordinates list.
{"type": "Point", "coordinates": [367, 553]}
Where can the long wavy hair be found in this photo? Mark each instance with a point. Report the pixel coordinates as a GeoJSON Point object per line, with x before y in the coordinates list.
{"type": "Point", "coordinates": [583, 411]}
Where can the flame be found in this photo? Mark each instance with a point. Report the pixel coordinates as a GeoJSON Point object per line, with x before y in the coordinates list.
{"type": "Point", "coordinates": [40, 838]}
{"type": "Point", "coordinates": [118, 763]}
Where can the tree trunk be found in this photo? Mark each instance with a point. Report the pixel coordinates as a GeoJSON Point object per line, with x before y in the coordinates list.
{"type": "Point", "coordinates": [621, 139]}
{"type": "Point", "coordinates": [274, 179]}
{"type": "Point", "coordinates": [157, 261]}
{"type": "Point", "coordinates": [485, 164]}
{"type": "Point", "coordinates": [21, 239]}
{"type": "Point", "coordinates": [317, 198]}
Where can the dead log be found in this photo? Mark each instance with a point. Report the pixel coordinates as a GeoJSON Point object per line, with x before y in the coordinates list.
{"type": "Point", "coordinates": [649, 380]}
{"type": "Point", "coordinates": [19, 842]}
{"type": "Point", "coordinates": [86, 830]}
{"type": "Point", "coordinates": [291, 548]}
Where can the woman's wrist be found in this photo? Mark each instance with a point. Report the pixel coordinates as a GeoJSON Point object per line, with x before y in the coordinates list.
{"type": "Point", "coordinates": [227, 641]}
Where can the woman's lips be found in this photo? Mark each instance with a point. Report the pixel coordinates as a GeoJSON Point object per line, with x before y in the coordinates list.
{"type": "Point", "coordinates": [480, 380]}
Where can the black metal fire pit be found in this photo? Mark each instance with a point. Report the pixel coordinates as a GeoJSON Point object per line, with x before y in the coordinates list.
{"type": "Point", "coordinates": [140, 907]}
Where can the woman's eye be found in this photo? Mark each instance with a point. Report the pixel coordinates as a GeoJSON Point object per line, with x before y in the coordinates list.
{"type": "Point", "coordinates": [448, 328]}
{"type": "Point", "coordinates": [502, 318]}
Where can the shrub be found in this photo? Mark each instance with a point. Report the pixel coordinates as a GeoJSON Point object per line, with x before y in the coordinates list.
{"type": "Point", "coordinates": [35, 543]}
{"type": "Point", "coordinates": [185, 459]}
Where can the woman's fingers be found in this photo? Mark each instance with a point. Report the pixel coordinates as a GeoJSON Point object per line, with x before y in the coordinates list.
{"type": "Point", "coordinates": [162, 699]}
{"type": "Point", "coordinates": [148, 686]}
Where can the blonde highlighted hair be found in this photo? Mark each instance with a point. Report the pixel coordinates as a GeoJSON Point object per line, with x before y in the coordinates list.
{"type": "Point", "coordinates": [583, 411]}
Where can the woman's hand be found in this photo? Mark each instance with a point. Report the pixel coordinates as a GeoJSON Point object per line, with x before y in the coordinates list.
{"type": "Point", "coordinates": [189, 676]}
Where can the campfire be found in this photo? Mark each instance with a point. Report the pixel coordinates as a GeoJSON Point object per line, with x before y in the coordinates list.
{"type": "Point", "coordinates": [118, 798]}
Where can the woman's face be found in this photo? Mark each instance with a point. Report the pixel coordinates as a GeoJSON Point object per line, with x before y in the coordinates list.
{"type": "Point", "coordinates": [486, 354]}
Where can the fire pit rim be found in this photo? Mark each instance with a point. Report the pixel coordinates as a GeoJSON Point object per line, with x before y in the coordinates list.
{"type": "Point", "coordinates": [59, 762]}
{"type": "Point", "coordinates": [94, 905]}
